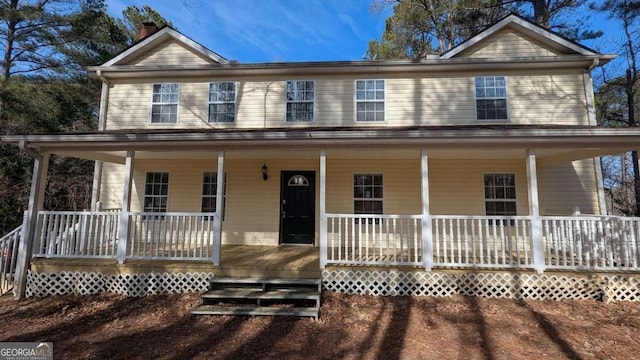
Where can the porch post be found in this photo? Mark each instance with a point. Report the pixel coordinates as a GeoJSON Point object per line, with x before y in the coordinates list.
{"type": "Point", "coordinates": [537, 243]}
{"type": "Point", "coordinates": [30, 223]}
{"type": "Point", "coordinates": [323, 209]}
{"type": "Point", "coordinates": [427, 234]}
{"type": "Point", "coordinates": [217, 224]}
{"type": "Point", "coordinates": [123, 238]}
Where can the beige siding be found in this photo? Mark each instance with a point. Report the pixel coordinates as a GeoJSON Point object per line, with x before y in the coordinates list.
{"type": "Point", "coordinates": [444, 100]}
{"type": "Point", "coordinates": [564, 187]}
{"type": "Point", "coordinates": [111, 188]}
{"type": "Point", "coordinates": [169, 53]}
{"type": "Point", "coordinates": [507, 43]}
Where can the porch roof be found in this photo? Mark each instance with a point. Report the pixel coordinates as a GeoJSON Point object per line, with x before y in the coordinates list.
{"type": "Point", "coordinates": [574, 142]}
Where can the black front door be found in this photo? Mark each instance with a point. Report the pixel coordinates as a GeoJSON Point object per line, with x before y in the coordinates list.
{"type": "Point", "coordinates": [297, 207]}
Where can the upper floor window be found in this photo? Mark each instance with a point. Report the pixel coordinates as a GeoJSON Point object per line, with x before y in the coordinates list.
{"type": "Point", "coordinates": [300, 100]}
{"type": "Point", "coordinates": [500, 194]}
{"type": "Point", "coordinates": [491, 98]}
{"type": "Point", "coordinates": [156, 192]}
{"type": "Point", "coordinates": [222, 102]}
{"type": "Point", "coordinates": [369, 100]}
{"type": "Point", "coordinates": [164, 103]}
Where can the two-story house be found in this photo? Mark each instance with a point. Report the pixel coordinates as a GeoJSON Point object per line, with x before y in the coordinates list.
{"type": "Point", "coordinates": [383, 172]}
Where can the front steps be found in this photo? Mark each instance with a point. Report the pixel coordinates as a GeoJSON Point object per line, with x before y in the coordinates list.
{"type": "Point", "coordinates": [261, 297]}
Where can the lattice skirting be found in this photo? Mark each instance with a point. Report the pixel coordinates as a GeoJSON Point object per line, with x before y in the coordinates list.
{"type": "Point", "coordinates": [608, 288]}
{"type": "Point", "coordinates": [85, 283]}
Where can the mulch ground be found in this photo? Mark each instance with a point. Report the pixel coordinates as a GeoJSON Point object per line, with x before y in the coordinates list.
{"type": "Point", "coordinates": [109, 326]}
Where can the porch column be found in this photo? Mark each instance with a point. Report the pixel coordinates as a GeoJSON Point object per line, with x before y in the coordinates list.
{"type": "Point", "coordinates": [427, 234]}
{"type": "Point", "coordinates": [217, 224]}
{"type": "Point", "coordinates": [123, 238]}
{"type": "Point", "coordinates": [30, 223]}
{"type": "Point", "coordinates": [323, 209]}
{"type": "Point", "coordinates": [537, 243]}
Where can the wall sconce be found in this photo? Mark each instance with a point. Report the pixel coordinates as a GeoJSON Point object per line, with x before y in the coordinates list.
{"type": "Point", "coordinates": [265, 175]}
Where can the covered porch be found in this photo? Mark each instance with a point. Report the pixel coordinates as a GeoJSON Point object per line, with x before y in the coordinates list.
{"type": "Point", "coordinates": [418, 228]}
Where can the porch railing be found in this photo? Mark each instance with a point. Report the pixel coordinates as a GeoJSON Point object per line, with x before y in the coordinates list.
{"type": "Point", "coordinates": [8, 256]}
{"type": "Point", "coordinates": [595, 242]}
{"type": "Point", "coordinates": [481, 241]}
{"type": "Point", "coordinates": [171, 236]}
{"type": "Point", "coordinates": [76, 234]}
{"type": "Point", "coordinates": [374, 239]}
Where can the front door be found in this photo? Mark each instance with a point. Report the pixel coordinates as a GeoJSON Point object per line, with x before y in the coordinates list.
{"type": "Point", "coordinates": [297, 207]}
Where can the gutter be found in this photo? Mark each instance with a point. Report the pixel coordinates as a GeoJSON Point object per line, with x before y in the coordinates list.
{"type": "Point", "coordinates": [102, 125]}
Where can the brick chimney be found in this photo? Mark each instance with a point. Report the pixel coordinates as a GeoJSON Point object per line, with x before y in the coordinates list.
{"type": "Point", "coordinates": [147, 28]}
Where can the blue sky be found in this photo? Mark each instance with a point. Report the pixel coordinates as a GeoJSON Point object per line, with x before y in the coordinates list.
{"type": "Point", "coordinates": [294, 30]}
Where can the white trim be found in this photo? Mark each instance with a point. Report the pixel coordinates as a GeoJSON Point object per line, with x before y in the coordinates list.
{"type": "Point", "coordinates": [589, 98]}
{"type": "Point", "coordinates": [323, 210]}
{"type": "Point", "coordinates": [602, 200]}
{"type": "Point", "coordinates": [161, 103]}
{"type": "Point", "coordinates": [475, 100]}
{"type": "Point", "coordinates": [158, 38]}
{"type": "Point", "coordinates": [484, 196]}
{"type": "Point", "coordinates": [235, 102]}
{"type": "Point", "coordinates": [521, 25]}
{"type": "Point", "coordinates": [355, 102]}
{"type": "Point", "coordinates": [286, 101]}
{"type": "Point", "coordinates": [353, 198]}
{"type": "Point", "coordinates": [217, 225]}
{"type": "Point", "coordinates": [426, 231]}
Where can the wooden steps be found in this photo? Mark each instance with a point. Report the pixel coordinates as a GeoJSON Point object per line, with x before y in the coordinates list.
{"type": "Point", "coordinates": [261, 297]}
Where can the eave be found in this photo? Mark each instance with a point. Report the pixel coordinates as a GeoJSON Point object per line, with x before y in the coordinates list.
{"type": "Point", "coordinates": [575, 62]}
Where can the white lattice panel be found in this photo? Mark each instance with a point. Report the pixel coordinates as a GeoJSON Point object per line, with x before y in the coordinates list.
{"type": "Point", "coordinates": [85, 283]}
{"type": "Point", "coordinates": [491, 285]}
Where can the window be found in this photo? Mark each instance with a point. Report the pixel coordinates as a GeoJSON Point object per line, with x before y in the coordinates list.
{"type": "Point", "coordinates": [367, 194]}
{"type": "Point", "coordinates": [164, 103]}
{"type": "Point", "coordinates": [300, 100]}
{"type": "Point", "coordinates": [491, 98]}
{"type": "Point", "coordinates": [222, 102]}
{"type": "Point", "coordinates": [369, 100]}
{"type": "Point", "coordinates": [156, 192]}
{"type": "Point", "coordinates": [209, 193]}
{"type": "Point", "coordinates": [500, 194]}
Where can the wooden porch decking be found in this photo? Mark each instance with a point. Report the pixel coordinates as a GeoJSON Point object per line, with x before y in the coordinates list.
{"type": "Point", "coordinates": [235, 260]}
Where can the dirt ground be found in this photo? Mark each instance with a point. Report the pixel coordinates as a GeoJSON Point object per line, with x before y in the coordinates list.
{"type": "Point", "coordinates": [351, 327]}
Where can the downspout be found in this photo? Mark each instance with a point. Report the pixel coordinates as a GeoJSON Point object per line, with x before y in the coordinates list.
{"type": "Point", "coordinates": [591, 113]}
{"type": "Point", "coordinates": [102, 118]}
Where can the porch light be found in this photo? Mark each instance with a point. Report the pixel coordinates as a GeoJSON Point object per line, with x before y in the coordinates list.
{"type": "Point", "coordinates": [265, 175]}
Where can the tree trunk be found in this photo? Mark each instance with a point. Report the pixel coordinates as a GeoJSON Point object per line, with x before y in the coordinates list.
{"type": "Point", "coordinates": [541, 12]}
{"type": "Point", "coordinates": [8, 46]}
{"type": "Point", "coordinates": [632, 123]}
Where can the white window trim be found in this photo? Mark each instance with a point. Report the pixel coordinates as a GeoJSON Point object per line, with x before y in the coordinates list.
{"type": "Point", "coordinates": [475, 100]}
{"type": "Point", "coordinates": [177, 105]}
{"type": "Point", "coordinates": [355, 102]}
{"type": "Point", "coordinates": [484, 197]}
{"type": "Point", "coordinates": [225, 191]}
{"type": "Point", "coordinates": [315, 97]}
{"type": "Point", "coordinates": [235, 103]}
{"type": "Point", "coordinates": [144, 195]}
{"type": "Point", "coordinates": [353, 198]}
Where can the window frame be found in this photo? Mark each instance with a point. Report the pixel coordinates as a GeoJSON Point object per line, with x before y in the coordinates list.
{"type": "Point", "coordinates": [287, 102]}
{"type": "Point", "coordinates": [505, 200]}
{"type": "Point", "coordinates": [506, 98]}
{"type": "Point", "coordinates": [354, 199]}
{"type": "Point", "coordinates": [153, 103]}
{"type": "Point", "coordinates": [144, 196]}
{"type": "Point", "coordinates": [235, 102]}
{"type": "Point", "coordinates": [225, 190]}
{"type": "Point", "coordinates": [355, 102]}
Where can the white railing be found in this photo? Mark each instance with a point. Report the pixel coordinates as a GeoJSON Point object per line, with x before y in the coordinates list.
{"type": "Point", "coordinates": [481, 241]}
{"type": "Point", "coordinates": [8, 257]}
{"type": "Point", "coordinates": [374, 239]}
{"type": "Point", "coordinates": [179, 236]}
{"type": "Point", "coordinates": [592, 242]}
{"type": "Point", "coordinates": [81, 234]}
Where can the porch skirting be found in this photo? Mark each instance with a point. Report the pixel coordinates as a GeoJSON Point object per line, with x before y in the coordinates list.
{"type": "Point", "coordinates": [134, 285]}
{"type": "Point", "coordinates": [600, 287]}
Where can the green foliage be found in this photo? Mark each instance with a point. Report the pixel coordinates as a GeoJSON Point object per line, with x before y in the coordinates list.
{"type": "Point", "coordinates": [133, 16]}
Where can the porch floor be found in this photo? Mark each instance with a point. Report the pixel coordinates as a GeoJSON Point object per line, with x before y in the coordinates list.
{"type": "Point", "coordinates": [235, 260]}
